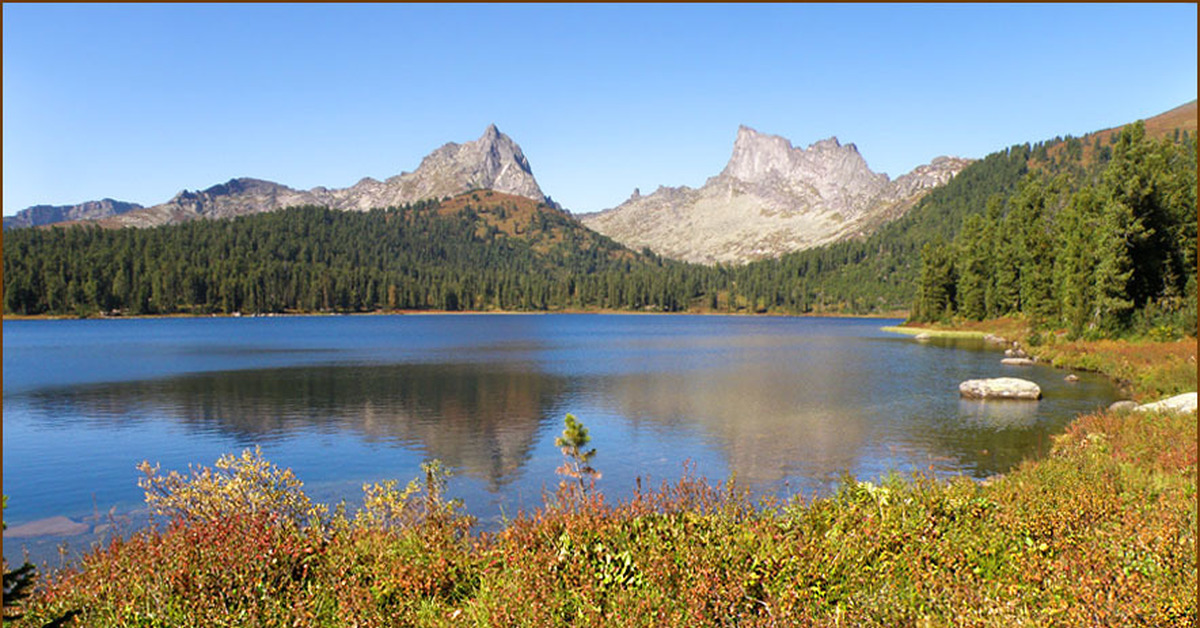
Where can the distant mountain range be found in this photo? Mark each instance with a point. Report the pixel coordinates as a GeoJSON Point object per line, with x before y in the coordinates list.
{"type": "Point", "coordinates": [769, 200]}
{"type": "Point", "coordinates": [39, 215]}
{"type": "Point", "coordinates": [492, 162]}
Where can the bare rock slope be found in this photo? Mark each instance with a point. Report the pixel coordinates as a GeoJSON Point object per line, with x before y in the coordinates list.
{"type": "Point", "coordinates": [770, 199]}
{"type": "Point", "coordinates": [494, 161]}
{"type": "Point", "coordinates": [49, 214]}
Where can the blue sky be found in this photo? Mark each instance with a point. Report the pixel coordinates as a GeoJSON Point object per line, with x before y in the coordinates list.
{"type": "Point", "coordinates": [137, 102]}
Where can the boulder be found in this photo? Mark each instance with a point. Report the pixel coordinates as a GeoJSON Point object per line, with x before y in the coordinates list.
{"type": "Point", "coordinates": [1071, 378]}
{"type": "Point", "coordinates": [54, 526]}
{"type": "Point", "coordinates": [1000, 388]}
{"type": "Point", "coordinates": [1017, 361]}
{"type": "Point", "coordinates": [1124, 405]}
{"type": "Point", "coordinates": [1179, 403]}
{"type": "Point", "coordinates": [994, 339]}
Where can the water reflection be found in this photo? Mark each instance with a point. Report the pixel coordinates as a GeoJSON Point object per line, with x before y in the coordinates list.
{"type": "Point", "coordinates": [478, 418]}
{"type": "Point", "coordinates": [770, 424]}
{"type": "Point", "coordinates": [998, 414]}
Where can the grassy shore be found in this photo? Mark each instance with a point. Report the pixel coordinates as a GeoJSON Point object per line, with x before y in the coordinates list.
{"type": "Point", "coordinates": [1102, 531]}
{"type": "Point", "coordinates": [1146, 370]}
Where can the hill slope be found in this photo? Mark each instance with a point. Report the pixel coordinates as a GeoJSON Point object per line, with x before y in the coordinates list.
{"type": "Point", "coordinates": [482, 250]}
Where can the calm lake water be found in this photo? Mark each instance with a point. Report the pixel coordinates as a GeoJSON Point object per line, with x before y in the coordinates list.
{"type": "Point", "coordinates": [786, 404]}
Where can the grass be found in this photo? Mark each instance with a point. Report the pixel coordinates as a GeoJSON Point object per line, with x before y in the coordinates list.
{"type": "Point", "coordinates": [1145, 369]}
{"type": "Point", "coordinates": [1102, 531]}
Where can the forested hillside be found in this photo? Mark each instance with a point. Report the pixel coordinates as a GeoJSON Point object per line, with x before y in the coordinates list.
{"type": "Point", "coordinates": [1096, 234]}
{"type": "Point", "coordinates": [481, 251]}
{"type": "Point", "coordinates": [1099, 250]}
{"type": "Point", "coordinates": [881, 272]}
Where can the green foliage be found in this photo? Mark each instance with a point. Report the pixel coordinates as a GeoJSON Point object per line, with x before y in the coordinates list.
{"type": "Point", "coordinates": [1107, 253]}
{"type": "Point", "coordinates": [17, 583]}
{"type": "Point", "coordinates": [578, 463]}
{"type": "Point", "coordinates": [384, 507]}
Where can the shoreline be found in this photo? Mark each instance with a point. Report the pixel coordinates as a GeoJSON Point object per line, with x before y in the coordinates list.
{"type": "Point", "coordinates": [67, 317]}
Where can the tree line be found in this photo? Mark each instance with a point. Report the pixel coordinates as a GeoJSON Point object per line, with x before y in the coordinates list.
{"type": "Point", "coordinates": [1101, 252]}
{"type": "Point", "coordinates": [1101, 246]}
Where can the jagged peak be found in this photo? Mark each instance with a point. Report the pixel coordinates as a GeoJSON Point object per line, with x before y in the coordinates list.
{"type": "Point", "coordinates": [491, 133]}
{"type": "Point", "coordinates": [830, 142]}
{"type": "Point", "coordinates": [747, 137]}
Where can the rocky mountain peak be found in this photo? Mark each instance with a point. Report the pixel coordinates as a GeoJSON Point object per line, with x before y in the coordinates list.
{"type": "Point", "coordinates": [771, 198]}
{"type": "Point", "coordinates": [758, 157]}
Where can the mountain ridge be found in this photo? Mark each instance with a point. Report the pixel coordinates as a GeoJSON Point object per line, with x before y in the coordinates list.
{"type": "Point", "coordinates": [493, 161]}
{"type": "Point", "coordinates": [771, 198]}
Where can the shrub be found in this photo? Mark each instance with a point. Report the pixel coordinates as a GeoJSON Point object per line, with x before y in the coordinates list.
{"type": "Point", "coordinates": [243, 484]}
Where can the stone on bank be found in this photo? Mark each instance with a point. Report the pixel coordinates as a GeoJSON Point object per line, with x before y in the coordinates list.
{"type": "Point", "coordinates": [1000, 388]}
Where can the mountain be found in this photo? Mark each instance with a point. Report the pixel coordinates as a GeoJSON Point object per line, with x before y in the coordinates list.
{"type": "Point", "coordinates": [494, 161]}
{"type": "Point", "coordinates": [770, 199]}
{"type": "Point", "coordinates": [480, 250]}
{"type": "Point", "coordinates": [48, 214]}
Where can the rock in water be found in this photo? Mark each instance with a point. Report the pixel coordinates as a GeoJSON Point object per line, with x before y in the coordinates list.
{"type": "Point", "coordinates": [54, 526]}
{"type": "Point", "coordinates": [1017, 361]}
{"type": "Point", "coordinates": [1000, 388]}
{"type": "Point", "coordinates": [1179, 403]}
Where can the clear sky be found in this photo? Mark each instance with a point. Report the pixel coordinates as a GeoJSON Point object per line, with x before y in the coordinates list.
{"type": "Point", "coordinates": [136, 102]}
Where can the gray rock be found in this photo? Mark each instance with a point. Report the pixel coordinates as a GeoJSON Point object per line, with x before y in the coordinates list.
{"type": "Point", "coordinates": [494, 161]}
{"type": "Point", "coordinates": [993, 339]}
{"type": "Point", "coordinates": [1017, 361]}
{"type": "Point", "coordinates": [771, 198]}
{"type": "Point", "coordinates": [53, 526]}
{"type": "Point", "coordinates": [49, 214]}
{"type": "Point", "coordinates": [1071, 378]}
{"type": "Point", "coordinates": [922, 337]}
{"type": "Point", "coordinates": [1124, 405]}
{"type": "Point", "coordinates": [1185, 403]}
{"type": "Point", "coordinates": [1000, 388]}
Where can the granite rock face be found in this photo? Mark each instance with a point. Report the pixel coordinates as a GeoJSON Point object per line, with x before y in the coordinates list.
{"type": "Point", "coordinates": [494, 161]}
{"type": "Point", "coordinates": [39, 215]}
{"type": "Point", "coordinates": [771, 198]}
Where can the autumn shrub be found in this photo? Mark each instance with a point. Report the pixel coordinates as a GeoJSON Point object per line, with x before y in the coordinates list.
{"type": "Point", "coordinates": [238, 485]}
{"type": "Point", "coordinates": [1102, 531]}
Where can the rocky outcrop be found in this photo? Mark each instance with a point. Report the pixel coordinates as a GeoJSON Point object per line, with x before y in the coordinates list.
{"type": "Point", "coordinates": [39, 215]}
{"type": "Point", "coordinates": [494, 161]}
{"type": "Point", "coordinates": [1000, 388]}
{"type": "Point", "coordinates": [770, 199]}
{"type": "Point", "coordinates": [1184, 403]}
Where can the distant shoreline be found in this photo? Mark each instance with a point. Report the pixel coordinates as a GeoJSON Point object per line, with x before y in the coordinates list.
{"type": "Point", "coordinates": [61, 317]}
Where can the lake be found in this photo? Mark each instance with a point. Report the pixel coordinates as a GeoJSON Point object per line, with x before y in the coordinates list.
{"type": "Point", "coordinates": [786, 405]}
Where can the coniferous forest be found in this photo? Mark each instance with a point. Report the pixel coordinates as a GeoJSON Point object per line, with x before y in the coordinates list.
{"type": "Point", "coordinates": [1098, 241]}
{"type": "Point", "coordinates": [1098, 252]}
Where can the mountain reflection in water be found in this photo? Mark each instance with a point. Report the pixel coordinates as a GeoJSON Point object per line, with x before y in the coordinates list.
{"type": "Point", "coordinates": [478, 418]}
{"type": "Point", "coordinates": [785, 405]}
